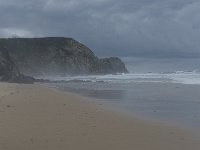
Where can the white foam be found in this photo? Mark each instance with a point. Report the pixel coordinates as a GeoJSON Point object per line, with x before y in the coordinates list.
{"type": "Point", "coordinates": [174, 77]}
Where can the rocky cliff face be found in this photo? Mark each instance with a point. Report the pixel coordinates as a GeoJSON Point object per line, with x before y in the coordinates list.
{"type": "Point", "coordinates": [57, 56]}
{"type": "Point", "coordinates": [111, 65]}
{"type": "Point", "coordinates": [9, 72]}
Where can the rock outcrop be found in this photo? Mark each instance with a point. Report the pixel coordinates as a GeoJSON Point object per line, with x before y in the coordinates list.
{"type": "Point", "coordinates": [111, 65]}
{"type": "Point", "coordinates": [57, 56]}
{"type": "Point", "coordinates": [9, 72]}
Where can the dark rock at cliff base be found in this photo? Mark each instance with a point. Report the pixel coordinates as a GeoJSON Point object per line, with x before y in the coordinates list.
{"type": "Point", "coordinates": [9, 72]}
{"type": "Point", "coordinates": [57, 56]}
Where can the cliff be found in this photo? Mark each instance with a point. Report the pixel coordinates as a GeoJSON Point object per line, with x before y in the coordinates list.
{"type": "Point", "coordinates": [111, 65]}
{"type": "Point", "coordinates": [57, 56]}
{"type": "Point", "coordinates": [9, 72]}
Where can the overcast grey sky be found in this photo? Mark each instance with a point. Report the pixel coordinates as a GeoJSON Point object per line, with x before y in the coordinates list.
{"type": "Point", "coordinates": [140, 28]}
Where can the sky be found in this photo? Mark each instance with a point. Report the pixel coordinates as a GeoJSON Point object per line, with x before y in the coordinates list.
{"type": "Point", "coordinates": [138, 28]}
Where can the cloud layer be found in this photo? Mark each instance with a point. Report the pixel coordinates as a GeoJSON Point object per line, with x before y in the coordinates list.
{"type": "Point", "coordinates": [143, 28]}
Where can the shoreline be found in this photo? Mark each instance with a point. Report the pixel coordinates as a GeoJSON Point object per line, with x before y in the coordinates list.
{"type": "Point", "coordinates": [121, 112]}
{"type": "Point", "coordinates": [171, 103]}
{"type": "Point", "coordinates": [38, 117]}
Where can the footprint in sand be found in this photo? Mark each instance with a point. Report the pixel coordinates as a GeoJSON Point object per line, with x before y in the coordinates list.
{"type": "Point", "coordinates": [8, 106]}
{"type": "Point", "coordinates": [32, 141]}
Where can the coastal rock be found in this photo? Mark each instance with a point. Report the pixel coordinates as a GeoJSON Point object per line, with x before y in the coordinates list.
{"type": "Point", "coordinates": [9, 72]}
{"type": "Point", "coordinates": [57, 56]}
{"type": "Point", "coordinates": [111, 65]}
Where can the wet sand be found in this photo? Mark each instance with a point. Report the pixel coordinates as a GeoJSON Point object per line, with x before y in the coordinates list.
{"type": "Point", "coordinates": [174, 103]}
{"type": "Point", "coordinates": [34, 117]}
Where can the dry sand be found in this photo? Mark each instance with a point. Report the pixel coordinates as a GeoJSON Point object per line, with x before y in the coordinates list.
{"type": "Point", "coordinates": [33, 117]}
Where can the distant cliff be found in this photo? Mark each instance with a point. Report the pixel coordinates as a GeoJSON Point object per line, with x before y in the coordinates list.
{"type": "Point", "coordinates": [9, 72]}
{"type": "Point", "coordinates": [57, 56]}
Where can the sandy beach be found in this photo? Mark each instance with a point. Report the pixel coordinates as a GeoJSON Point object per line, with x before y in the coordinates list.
{"type": "Point", "coordinates": [34, 117]}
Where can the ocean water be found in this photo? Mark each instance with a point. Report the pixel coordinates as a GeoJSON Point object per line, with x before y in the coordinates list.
{"type": "Point", "coordinates": [167, 97]}
{"type": "Point", "coordinates": [163, 90]}
{"type": "Point", "coordinates": [190, 77]}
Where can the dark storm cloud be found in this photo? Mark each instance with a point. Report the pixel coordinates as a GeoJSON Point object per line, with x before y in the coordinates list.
{"type": "Point", "coordinates": [145, 28]}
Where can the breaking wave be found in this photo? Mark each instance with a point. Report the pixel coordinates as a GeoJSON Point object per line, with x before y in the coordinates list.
{"type": "Point", "coordinates": [184, 77]}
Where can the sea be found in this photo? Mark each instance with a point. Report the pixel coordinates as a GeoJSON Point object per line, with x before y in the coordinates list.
{"type": "Point", "coordinates": [165, 90]}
